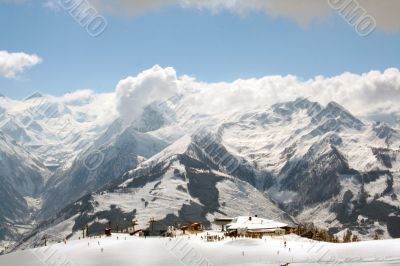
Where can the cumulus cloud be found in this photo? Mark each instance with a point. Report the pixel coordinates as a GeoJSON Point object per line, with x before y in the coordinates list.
{"type": "Point", "coordinates": [374, 95]}
{"type": "Point", "coordinates": [365, 94]}
{"type": "Point", "coordinates": [12, 64]}
{"type": "Point", "coordinates": [134, 93]}
{"type": "Point", "coordinates": [370, 95]}
{"type": "Point", "coordinates": [362, 94]}
{"type": "Point", "coordinates": [102, 108]}
{"type": "Point", "coordinates": [89, 107]}
{"type": "Point", "coordinates": [80, 97]}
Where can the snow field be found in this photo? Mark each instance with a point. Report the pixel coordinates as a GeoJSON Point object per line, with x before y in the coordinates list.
{"type": "Point", "coordinates": [127, 250]}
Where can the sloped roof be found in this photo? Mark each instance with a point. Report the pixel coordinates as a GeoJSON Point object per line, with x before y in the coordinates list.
{"type": "Point", "coordinates": [254, 223]}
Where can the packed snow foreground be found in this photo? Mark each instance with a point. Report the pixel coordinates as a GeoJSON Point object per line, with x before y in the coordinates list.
{"type": "Point", "coordinates": [121, 249]}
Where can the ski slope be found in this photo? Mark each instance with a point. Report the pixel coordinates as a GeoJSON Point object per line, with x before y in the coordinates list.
{"type": "Point", "coordinates": [184, 250]}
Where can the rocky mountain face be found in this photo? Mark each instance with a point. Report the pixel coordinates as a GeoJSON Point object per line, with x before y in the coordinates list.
{"type": "Point", "coordinates": [39, 137]}
{"type": "Point", "coordinates": [297, 162]}
{"type": "Point", "coordinates": [177, 186]}
{"type": "Point", "coordinates": [106, 159]}
{"type": "Point", "coordinates": [327, 166]}
{"type": "Point", "coordinates": [21, 179]}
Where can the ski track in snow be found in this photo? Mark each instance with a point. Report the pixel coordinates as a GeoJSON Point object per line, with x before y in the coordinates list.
{"type": "Point", "coordinates": [193, 251]}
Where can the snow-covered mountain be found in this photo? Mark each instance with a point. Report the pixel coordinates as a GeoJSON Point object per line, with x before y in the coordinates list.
{"type": "Point", "coordinates": [21, 180]}
{"type": "Point", "coordinates": [297, 161]}
{"type": "Point", "coordinates": [110, 156]}
{"type": "Point", "coordinates": [38, 136]}
{"type": "Point", "coordinates": [55, 129]}
{"type": "Point", "coordinates": [178, 185]}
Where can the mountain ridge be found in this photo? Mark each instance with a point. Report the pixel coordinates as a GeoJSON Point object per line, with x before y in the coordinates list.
{"type": "Point", "coordinates": [305, 161]}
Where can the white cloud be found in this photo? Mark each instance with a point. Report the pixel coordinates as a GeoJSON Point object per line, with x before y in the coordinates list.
{"type": "Point", "coordinates": [80, 97]}
{"type": "Point", "coordinates": [12, 64]}
{"type": "Point", "coordinates": [100, 108]}
{"type": "Point", "coordinates": [373, 94]}
{"type": "Point", "coordinates": [303, 12]}
{"type": "Point", "coordinates": [362, 94]}
{"type": "Point", "coordinates": [134, 93]}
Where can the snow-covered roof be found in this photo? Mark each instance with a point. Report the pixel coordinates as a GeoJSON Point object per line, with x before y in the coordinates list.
{"type": "Point", "coordinates": [254, 223]}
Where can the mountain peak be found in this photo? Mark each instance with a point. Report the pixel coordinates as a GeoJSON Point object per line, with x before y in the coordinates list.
{"type": "Point", "coordinates": [335, 106]}
{"type": "Point", "coordinates": [305, 103]}
{"type": "Point", "coordinates": [34, 96]}
{"type": "Point", "coordinates": [383, 130]}
{"type": "Point", "coordinates": [288, 108]}
{"type": "Point", "coordinates": [303, 100]}
{"type": "Point", "coordinates": [2, 96]}
{"type": "Point", "coordinates": [336, 110]}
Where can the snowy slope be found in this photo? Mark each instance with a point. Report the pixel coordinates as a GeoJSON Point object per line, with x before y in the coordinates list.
{"type": "Point", "coordinates": [127, 250]}
{"type": "Point", "coordinates": [110, 156]}
{"type": "Point", "coordinates": [37, 136]}
{"type": "Point", "coordinates": [316, 154]}
{"type": "Point", "coordinates": [174, 186]}
{"type": "Point", "coordinates": [306, 157]}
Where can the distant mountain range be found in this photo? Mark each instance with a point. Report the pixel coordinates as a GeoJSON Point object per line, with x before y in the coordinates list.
{"type": "Point", "coordinates": [298, 162]}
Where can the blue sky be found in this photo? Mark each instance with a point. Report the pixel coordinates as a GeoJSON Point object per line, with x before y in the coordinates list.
{"type": "Point", "coordinates": [208, 46]}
